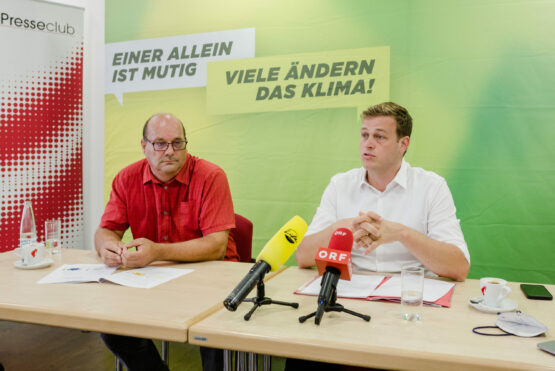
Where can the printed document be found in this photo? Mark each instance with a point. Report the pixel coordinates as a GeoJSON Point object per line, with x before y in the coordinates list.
{"type": "Point", "coordinates": [375, 287]}
{"type": "Point", "coordinates": [146, 277]}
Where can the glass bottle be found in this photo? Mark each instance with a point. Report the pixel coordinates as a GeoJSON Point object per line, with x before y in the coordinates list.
{"type": "Point", "coordinates": [28, 230]}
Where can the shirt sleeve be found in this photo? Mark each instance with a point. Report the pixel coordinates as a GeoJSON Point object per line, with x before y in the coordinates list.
{"type": "Point", "coordinates": [326, 214]}
{"type": "Point", "coordinates": [443, 224]}
{"type": "Point", "coordinates": [115, 214]}
{"type": "Point", "coordinates": [216, 213]}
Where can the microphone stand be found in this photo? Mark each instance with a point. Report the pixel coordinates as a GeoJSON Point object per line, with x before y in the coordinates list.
{"type": "Point", "coordinates": [261, 299]}
{"type": "Point", "coordinates": [332, 306]}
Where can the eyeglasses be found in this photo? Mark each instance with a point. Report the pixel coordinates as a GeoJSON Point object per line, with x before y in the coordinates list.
{"type": "Point", "coordinates": [178, 145]}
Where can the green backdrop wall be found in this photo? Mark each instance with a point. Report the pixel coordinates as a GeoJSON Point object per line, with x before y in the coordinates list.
{"type": "Point", "coordinates": [477, 76]}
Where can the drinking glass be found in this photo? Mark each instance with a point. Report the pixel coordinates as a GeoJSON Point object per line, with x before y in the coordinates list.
{"type": "Point", "coordinates": [412, 290]}
{"type": "Point", "coordinates": [52, 236]}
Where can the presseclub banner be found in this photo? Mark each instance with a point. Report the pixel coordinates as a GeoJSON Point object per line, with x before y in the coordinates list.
{"type": "Point", "coordinates": [41, 118]}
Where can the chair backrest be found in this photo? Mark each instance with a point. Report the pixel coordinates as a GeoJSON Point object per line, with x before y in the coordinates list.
{"type": "Point", "coordinates": [243, 238]}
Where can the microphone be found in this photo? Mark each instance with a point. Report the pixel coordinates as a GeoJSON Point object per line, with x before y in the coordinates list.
{"type": "Point", "coordinates": [276, 252]}
{"type": "Point", "coordinates": [334, 263]}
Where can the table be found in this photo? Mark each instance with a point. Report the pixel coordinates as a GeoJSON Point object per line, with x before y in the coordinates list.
{"type": "Point", "coordinates": [443, 340]}
{"type": "Point", "coordinates": [164, 312]}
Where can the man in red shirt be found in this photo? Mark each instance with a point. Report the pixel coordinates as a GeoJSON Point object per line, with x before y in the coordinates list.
{"type": "Point", "coordinates": [178, 207]}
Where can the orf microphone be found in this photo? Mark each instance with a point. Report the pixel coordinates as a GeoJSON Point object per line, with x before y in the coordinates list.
{"type": "Point", "coordinates": [272, 256]}
{"type": "Point", "coordinates": [334, 263]}
{"type": "Point", "coordinates": [337, 254]}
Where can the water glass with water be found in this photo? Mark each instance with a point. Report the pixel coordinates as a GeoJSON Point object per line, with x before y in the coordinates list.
{"type": "Point", "coordinates": [52, 236]}
{"type": "Point", "coordinates": [412, 290]}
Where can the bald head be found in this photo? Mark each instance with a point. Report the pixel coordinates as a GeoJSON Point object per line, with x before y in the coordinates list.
{"type": "Point", "coordinates": [163, 117]}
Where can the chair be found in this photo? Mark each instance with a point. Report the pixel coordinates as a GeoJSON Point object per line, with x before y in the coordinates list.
{"type": "Point", "coordinates": [242, 233]}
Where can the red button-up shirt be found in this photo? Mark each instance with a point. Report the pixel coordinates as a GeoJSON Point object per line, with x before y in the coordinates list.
{"type": "Point", "coordinates": [195, 203]}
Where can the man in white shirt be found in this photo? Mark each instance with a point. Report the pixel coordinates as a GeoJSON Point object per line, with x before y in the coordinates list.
{"type": "Point", "coordinates": [399, 215]}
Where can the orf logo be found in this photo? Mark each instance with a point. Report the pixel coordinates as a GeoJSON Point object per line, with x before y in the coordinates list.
{"type": "Point", "coordinates": [34, 252]}
{"type": "Point", "coordinates": [339, 232]}
{"type": "Point", "coordinates": [333, 255]}
{"type": "Point", "coordinates": [290, 235]}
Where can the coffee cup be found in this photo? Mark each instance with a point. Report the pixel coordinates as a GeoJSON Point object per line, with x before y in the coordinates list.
{"type": "Point", "coordinates": [494, 290]}
{"type": "Point", "coordinates": [31, 253]}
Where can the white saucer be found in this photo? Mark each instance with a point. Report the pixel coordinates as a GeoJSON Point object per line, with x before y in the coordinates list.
{"type": "Point", "coordinates": [506, 306]}
{"type": "Point", "coordinates": [46, 262]}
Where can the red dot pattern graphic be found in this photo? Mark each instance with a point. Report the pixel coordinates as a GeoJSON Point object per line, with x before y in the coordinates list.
{"type": "Point", "coordinates": [41, 129]}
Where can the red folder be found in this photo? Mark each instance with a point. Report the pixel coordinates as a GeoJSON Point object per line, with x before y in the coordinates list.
{"type": "Point", "coordinates": [444, 301]}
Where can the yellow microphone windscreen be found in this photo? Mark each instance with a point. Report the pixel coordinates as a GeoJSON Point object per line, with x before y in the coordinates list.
{"type": "Point", "coordinates": [285, 241]}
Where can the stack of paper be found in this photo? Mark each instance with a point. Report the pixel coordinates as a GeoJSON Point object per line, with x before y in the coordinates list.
{"type": "Point", "coordinates": [372, 287]}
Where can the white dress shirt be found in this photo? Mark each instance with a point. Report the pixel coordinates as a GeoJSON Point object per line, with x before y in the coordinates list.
{"type": "Point", "coordinates": [416, 198]}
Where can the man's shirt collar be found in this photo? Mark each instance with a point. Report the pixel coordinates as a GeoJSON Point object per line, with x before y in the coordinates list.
{"type": "Point", "coordinates": [400, 177]}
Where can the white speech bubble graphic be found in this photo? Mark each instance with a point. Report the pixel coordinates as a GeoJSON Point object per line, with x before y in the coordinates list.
{"type": "Point", "coordinates": [171, 62]}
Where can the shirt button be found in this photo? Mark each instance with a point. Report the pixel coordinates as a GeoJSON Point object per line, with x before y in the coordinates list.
{"type": "Point", "coordinates": [165, 213]}
{"type": "Point", "coordinates": [165, 187]}
{"type": "Point", "coordinates": [165, 238]}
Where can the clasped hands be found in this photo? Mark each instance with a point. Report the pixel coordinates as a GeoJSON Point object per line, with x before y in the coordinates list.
{"type": "Point", "coordinates": [115, 253]}
{"type": "Point", "coordinates": [370, 230]}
